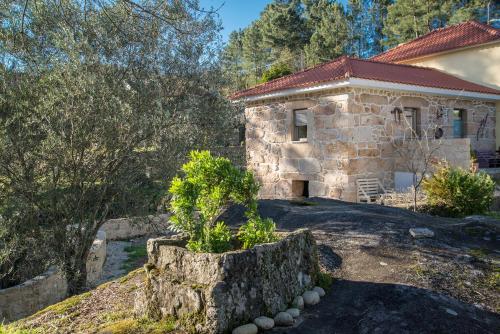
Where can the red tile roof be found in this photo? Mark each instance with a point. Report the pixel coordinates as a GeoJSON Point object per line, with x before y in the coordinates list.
{"type": "Point", "coordinates": [344, 68]}
{"type": "Point", "coordinates": [465, 34]}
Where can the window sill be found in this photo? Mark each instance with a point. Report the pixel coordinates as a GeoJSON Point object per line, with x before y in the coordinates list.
{"type": "Point", "coordinates": [299, 141]}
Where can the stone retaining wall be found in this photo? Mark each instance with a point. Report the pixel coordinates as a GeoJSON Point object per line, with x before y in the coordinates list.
{"type": "Point", "coordinates": [96, 258]}
{"type": "Point", "coordinates": [127, 228]}
{"type": "Point", "coordinates": [229, 289]}
{"type": "Point", "coordinates": [50, 287]}
{"type": "Point", "coordinates": [27, 298]}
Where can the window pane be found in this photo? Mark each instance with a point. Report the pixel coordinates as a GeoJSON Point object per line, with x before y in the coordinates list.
{"type": "Point", "coordinates": [301, 132]}
{"type": "Point", "coordinates": [300, 118]}
{"type": "Point", "coordinates": [299, 124]}
{"type": "Point", "coordinates": [457, 123]}
{"type": "Point", "coordinates": [410, 123]}
{"type": "Point", "coordinates": [457, 114]}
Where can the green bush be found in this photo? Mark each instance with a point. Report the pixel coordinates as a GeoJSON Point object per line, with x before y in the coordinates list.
{"type": "Point", "coordinates": [257, 231]}
{"type": "Point", "coordinates": [276, 71]}
{"type": "Point", "coordinates": [217, 240]}
{"type": "Point", "coordinates": [458, 192]}
{"type": "Point", "coordinates": [325, 280]}
{"type": "Point", "coordinates": [209, 186]}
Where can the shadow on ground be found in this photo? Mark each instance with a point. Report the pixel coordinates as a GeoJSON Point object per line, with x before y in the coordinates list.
{"type": "Point", "coordinates": [367, 307]}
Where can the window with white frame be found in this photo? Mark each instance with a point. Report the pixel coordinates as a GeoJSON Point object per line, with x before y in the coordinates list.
{"type": "Point", "coordinates": [300, 125]}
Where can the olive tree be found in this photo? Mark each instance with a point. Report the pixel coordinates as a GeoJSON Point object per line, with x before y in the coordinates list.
{"type": "Point", "coordinates": [93, 94]}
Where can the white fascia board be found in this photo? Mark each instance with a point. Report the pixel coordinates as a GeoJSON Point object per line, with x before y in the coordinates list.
{"type": "Point", "coordinates": [374, 84]}
{"type": "Point", "coordinates": [295, 91]}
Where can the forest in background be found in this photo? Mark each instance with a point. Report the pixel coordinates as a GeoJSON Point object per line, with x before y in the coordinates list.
{"type": "Point", "coordinates": [291, 35]}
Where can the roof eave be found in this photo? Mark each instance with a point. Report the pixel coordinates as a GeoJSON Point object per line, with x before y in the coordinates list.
{"type": "Point", "coordinates": [374, 84]}
{"type": "Point", "coordinates": [437, 54]}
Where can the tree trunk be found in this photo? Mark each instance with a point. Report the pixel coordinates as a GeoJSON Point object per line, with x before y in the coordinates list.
{"type": "Point", "coordinates": [414, 199]}
{"type": "Point", "coordinates": [76, 275]}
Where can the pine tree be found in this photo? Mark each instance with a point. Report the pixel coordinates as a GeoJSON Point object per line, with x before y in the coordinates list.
{"type": "Point", "coordinates": [356, 19]}
{"type": "Point", "coordinates": [283, 26]}
{"type": "Point", "coordinates": [464, 10]}
{"type": "Point", "coordinates": [233, 61]}
{"type": "Point", "coordinates": [409, 19]}
{"type": "Point", "coordinates": [328, 22]}
{"type": "Point", "coordinates": [366, 19]}
{"type": "Point", "coordinates": [377, 15]}
{"type": "Point", "coordinates": [256, 57]}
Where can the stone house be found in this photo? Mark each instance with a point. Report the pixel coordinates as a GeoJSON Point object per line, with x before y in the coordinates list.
{"type": "Point", "coordinates": [470, 51]}
{"type": "Point", "coordinates": [328, 130]}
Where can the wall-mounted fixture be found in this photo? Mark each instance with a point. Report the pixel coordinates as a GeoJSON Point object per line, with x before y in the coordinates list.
{"type": "Point", "coordinates": [397, 114]}
{"type": "Point", "coordinates": [439, 133]}
{"type": "Point", "coordinates": [440, 113]}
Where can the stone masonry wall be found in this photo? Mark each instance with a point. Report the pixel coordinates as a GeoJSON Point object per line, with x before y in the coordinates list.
{"type": "Point", "coordinates": [349, 137]}
{"type": "Point", "coordinates": [229, 289]}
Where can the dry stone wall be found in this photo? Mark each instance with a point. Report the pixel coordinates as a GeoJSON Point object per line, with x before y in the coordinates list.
{"type": "Point", "coordinates": [350, 136]}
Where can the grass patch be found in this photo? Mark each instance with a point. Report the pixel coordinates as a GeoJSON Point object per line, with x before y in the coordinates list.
{"type": "Point", "coordinates": [303, 203]}
{"type": "Point", "coordinates": [6, 329]}
{"type": "Point", "coordinates": [325, 280]}
{"type": "Point", "coordinates": [135, 253]}
{"type": "Point", "coordinates": [130, 275]}
{"type": "Point", "coordinates": [64, 306]}
{"type": "Point", "coordinates": [493, 214]}
{"type": "Point", "coordinates": [189, 321]}
{"type": "Point", "coordinates": [479, 253]}
{"type": "Point", "coordinates": [139, 326]}
{"type": "Point", "coordinates": [493, 279]}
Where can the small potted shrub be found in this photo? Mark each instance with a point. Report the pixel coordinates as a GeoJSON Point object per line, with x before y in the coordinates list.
{"type": "Point", "coordinates": [210, 184]}
{"type": "Point", "coordinates": [217, 277]}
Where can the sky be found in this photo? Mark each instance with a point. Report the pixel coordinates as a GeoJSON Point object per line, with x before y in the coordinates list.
{"type": "Point", "coordinates": [236, 14]}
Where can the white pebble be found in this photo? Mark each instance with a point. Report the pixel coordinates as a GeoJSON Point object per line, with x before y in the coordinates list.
{"type": "Point", "coordinates": [283, 319]}
{"type": "Point", "coordinates": [310, 297]}
{"type": "Point", "coordinates": [264, 323]}
{"type": "Point", "coordinates": [321, 292]}
{"type": "Point", "coordinates": [246, 329]}
{"type": "Point", "coordinates": [294, 312]}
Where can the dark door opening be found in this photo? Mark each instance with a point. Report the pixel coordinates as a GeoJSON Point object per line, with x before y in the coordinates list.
{"type": "Point", "coordinates": [305, 192]}
{"type": "Point", "coordinates": [300, 188]}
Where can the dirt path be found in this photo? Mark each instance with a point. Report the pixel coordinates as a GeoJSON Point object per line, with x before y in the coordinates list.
{"type": "Point", "coordinates": [389, 282]}
{"type": "Point", "coordinates": [123, 257]}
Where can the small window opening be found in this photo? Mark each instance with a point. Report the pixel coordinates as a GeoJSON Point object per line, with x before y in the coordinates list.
{"type": "Point", "coordinates": [300, 188]}
{"type": "Point", "coordinates": [300, 125]}
{"type": "Point", "coordinates": [412, 123]}
{"type": "Point", "coordinates": [458, 123]}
